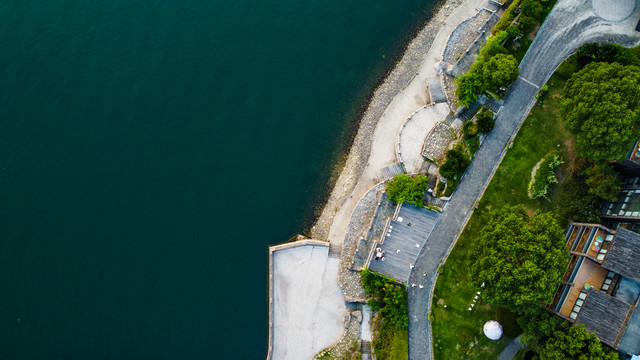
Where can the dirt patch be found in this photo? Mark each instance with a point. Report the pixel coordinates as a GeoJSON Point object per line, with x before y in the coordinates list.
{"type": "Point", "coordinates": [441, 302]}
{"type": "Point", "coordinates": [533, 175]}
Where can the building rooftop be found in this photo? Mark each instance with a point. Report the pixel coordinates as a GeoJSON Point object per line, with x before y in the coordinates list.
{"type": "Point", "coordinates": [630, 341]}
{"type": "Point", "coordinates": [605, 316]}
{"type": "Point", "coordinates": [624, 254]}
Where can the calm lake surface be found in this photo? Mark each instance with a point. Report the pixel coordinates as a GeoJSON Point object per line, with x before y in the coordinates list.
{"type": "Point", "coordinates": [150, 151]}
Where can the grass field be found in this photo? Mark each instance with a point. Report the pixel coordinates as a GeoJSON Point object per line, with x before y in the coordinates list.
{"type": "Point", "coordinates": [541, 133]}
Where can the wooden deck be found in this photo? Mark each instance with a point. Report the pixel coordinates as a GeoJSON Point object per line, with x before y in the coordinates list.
{"type": "Point", "coordinates": [589, 272]}
{"type": "Point", "coordinates": [408, 239]}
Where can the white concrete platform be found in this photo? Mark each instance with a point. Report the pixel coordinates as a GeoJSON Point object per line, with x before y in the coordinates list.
{"type": "Point", "coordinates": [308, 306]}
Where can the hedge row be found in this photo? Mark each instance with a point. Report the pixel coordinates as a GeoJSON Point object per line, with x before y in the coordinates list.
{"type": "Point", "coordinates": [507, 18]}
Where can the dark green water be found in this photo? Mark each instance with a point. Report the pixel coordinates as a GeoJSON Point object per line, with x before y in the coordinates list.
{"type": "Point", "coordinates": [151, 150]}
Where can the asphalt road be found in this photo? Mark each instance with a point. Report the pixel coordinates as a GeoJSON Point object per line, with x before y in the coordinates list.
{"type": "Point", "coordinates": [570, 24]}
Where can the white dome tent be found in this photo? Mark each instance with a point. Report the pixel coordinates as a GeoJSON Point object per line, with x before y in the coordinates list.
{"type": "Point", "coordinates": [492, 329]}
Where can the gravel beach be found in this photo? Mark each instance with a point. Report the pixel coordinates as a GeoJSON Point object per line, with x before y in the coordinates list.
{"type": "Point", "coordinates": [398, 79]}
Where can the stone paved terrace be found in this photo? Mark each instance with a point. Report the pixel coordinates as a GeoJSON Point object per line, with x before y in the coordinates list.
{"type": "Point", "coordinates": [405, 237]}
{"type": "Point", "coordinates": [468, 57]}
{"type": "Point", "coordinates": [437, 142]}
{"type": "Point", "coordinates": [464, 35]}
{"type": "Point", "coordinates": [414, 132]}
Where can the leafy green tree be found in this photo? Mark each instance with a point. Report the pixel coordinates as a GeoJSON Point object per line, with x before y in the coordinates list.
{"type": "Point", "coordinates": [457, 162]}
{"type": "Point", "coordinates": [513, 30]}
{"type": "Point", "coordinates": [485, 121]}
{"type": "Point", "coordinates": [526, 24]}
{"type": "Point", "coordinates": [406, 188]}
{"type": "Point", "coordinates": [575, 343]}
{"type": "Point", "coordinates": [592, 52]}
{"type": "Point", "coordinates": [520, 259]}
{"type": "Point", "coordinates": [499, 71]}
{"type": "Point", "coordinates": [539, 324]}
{"type": "Point", "coordinates": [470, 86]}
{"type": "Point", "coordinates": [531, 8]}
{"type": "Point", "coordinates": [603, 181]}
{"type": "Point", "coordinates": [494, 46]}
{"type": "Point", "coordinates": [600, 106]}
{"type": "Point", "coordinates": [574, 201]}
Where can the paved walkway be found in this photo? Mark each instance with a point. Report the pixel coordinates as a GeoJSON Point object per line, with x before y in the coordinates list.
{"type": "Point", "coordinates": [410, 99]}
{"type": "Point", "coordinates": [512, 349]}
{"type": "Point", "coordinates": [571, 24]}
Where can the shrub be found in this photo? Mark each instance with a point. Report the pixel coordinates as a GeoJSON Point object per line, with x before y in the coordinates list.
{"type": "Point", "coordinates": [526, 24]}
{"type": "Point", "coordinates": [513, 30]}
{"type": "Point", "coordinates": [545, 176]}
{"type": "Point", "coordinates": [388, 297]}
{"type": "Point", "coordinates": [507, 18]}
{"type": "Point", "coordinates": [406, 188]}
{"type": "Point", "coordinates": [473, 144]}
{"type": "Point", "coordinates": [494, 46]}
{"type": "Point", "coordinates": [469, 129]}
{"type": "Point", "coordinates": [456, 163]}
{"type": "Point", "coordinates": [485, 121]}
{"type": "Point", "coordinates": [451, 186]}
{"type": "Point", "coordinates": [440, 188]}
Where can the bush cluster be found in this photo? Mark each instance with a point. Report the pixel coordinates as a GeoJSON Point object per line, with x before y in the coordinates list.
{"type": "Point", "coordinates": [493, 69]}
{"type": "Point", "coordinates": [407, 188]}
{"type": "Point", "coordinates": [485, 121]}
{"type": "Point", "coordinates": [545, 176]}
{"type": "Point", "coordinates": [391, 299]}
{"type": "Point", "coordinates": [387, 296]}
{"type": "Point", "coordinates": [456, 163]}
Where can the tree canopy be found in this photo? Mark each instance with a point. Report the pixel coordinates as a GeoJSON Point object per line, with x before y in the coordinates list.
{"type": "Point", "coordinates": [520, 259]}
{"type": "Point", "coordinates": [592, 52]}
{"type": "Point", "coordinates": [600, 106]}
{"type": "Point", "coordinates": [603, 181]}
{"type": "Point", "coordinates": [575, 343]}
{"type": "Point", "coordinates": [457, 162]}
{"type": "Point", "coordinates": [406, 188]}
{"type": "Point", "coordinates": [386, 296]}
{"type": "Point", "coordinates": [485, 121]}
{"type": "Point", "coordinates": [499, 71]}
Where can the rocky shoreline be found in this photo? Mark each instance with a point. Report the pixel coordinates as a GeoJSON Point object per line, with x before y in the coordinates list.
{"type": "Point", "coordinates": [401, 75]}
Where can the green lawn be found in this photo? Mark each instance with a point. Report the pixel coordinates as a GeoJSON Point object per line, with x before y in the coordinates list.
{"type": "Point", "coordinates": [542, 132]}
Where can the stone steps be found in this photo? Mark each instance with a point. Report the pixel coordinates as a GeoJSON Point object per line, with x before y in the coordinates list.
{"type": "Point", "coordinates": [388, 172]}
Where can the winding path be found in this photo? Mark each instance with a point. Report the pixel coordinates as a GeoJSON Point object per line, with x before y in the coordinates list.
{"type": "Point", "coordinates": [570, 24]}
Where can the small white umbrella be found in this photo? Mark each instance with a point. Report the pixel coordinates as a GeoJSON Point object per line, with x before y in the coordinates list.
{"type": "Point", "coordinates": [492, 329]}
